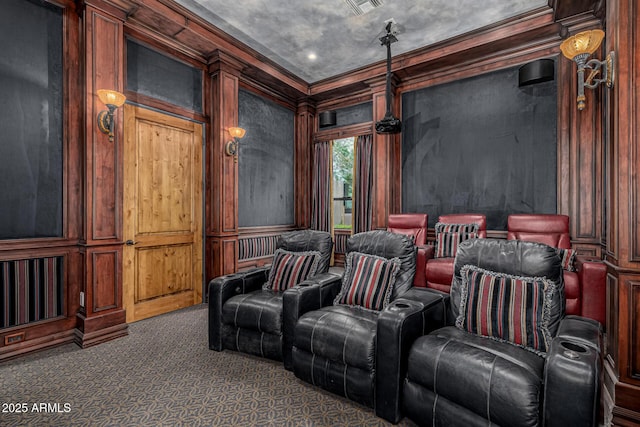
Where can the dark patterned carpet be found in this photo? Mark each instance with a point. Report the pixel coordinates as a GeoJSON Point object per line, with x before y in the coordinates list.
{"type": "Point", "coordinates": [163, 374]}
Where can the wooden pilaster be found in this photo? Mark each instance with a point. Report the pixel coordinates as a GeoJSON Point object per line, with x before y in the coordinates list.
{"type": "Point", "coordinates": [622, 363]}
{"type": "Point", "coordinates": [221, 199]}
{"type": "Point", "coordinates": [386, 161]}
{"type": "Point", "coordinates": [101, 316]}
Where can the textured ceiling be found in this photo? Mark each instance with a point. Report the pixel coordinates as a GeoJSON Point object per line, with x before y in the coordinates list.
{"type": "Point", "coordinates": [288, 31]}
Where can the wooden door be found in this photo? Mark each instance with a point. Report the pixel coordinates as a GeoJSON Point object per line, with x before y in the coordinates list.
{"type": "Point", "coordinates": [163, 206]}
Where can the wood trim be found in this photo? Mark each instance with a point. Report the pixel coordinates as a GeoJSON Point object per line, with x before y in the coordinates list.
{"type": "Point", "coordinates": [304, 122]}
{"type": "Point", "coordinates": [343, 132]}
{"type": "Point", "coordinates": [139, 99]}
{"type": "Point", "coordinates": [174, 25]}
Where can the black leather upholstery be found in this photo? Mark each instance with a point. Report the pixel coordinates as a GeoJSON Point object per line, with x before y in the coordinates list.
{"type": "Point", "coordinates": [244, 317]}
{"type": "Point", "coordinates": [309, 240]}
{"type": "Point", "coordinates": [361, 354]}
{"type": "Point", "coordinates": [456, 378]}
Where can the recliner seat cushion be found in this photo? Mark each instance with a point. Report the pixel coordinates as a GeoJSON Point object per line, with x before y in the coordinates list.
{"type": "Point", "coordinates": [339, 333]}
{"type": "Point", "coordinates": [259, 310]}
{"type": "Point", "coordinates": [487, 377]}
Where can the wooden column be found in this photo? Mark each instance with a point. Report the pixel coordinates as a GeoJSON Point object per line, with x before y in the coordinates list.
{"type": "Point", "coordinates": [622, 363]}
{"type": "Point", "coordinates": [303, 155]}
{"type": "Point", "coordinates": [101, 316]}
{"type": "Point", "coordinates": [386, 159]}
{"type": "Point", "coordinates": [221, 199]}
{"type": "Point", "coordinates": [580, 165]}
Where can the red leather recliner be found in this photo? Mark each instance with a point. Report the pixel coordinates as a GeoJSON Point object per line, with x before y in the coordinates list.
{"type": "Point", "coordinates": [439, 271]}
{"type": "Point", "coordinates": [413, 224]}
{"type": "Point", "coordinates": [585, 288]}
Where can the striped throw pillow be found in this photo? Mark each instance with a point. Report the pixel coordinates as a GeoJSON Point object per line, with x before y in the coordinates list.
{"type": "Point", "coordinates": [506, 308]}
{"type": "Point", "coordinates": [449, 236]}
{"type": "Point", "coordinates": [568, 256]}
{"type": "Point", "coordinates": [290, 268]}
{"type": "Point", "coordinates": [367, 281]}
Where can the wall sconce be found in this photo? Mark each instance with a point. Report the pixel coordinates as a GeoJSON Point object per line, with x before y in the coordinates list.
{"type": "Point", "coordinates": [578, 48]}
{"type": "Point", "coordinates": [112, 100]}
{"type": "Point", "coordinates": [232, 146]}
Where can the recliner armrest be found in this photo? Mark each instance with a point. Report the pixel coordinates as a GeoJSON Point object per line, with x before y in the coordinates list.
{"type": "Point", "coordinates": [573, 368]}
{"type": "Point", "coordinates": [429, 251]}
{"type": "Point", "coordinates": [312, 294]}
{"type": "Point", "coordinates": [592, 274]}
{"type": "Point", "coordinates": [224, 287]}
{"type": "Point", "coordinates": [422, 256]}
{"type": "Point", "coordinates": [436, 305]}
{"type": "Point", "coordinates": [399, 324]}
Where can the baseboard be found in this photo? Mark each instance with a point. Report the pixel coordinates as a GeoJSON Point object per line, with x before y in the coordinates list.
{"type": "Point", "coordinates": [37, 344]}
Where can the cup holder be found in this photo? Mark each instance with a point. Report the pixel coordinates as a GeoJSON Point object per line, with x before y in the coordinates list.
{"type": "Point", "coordinates": [572, 350]}
{"type": "Point", "coordinates": [401, 305]}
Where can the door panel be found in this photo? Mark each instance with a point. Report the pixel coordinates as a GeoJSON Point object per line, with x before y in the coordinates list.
{"type": "Point", "coordinates": [163, 213]}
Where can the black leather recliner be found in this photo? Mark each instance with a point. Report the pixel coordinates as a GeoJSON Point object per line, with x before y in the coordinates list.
{"type": "Point", "coordinates": [361, 354]}
{"type": "Point", "coordinates": [459, 378]}
{"type": "Point", "coordinates": [245, 317]}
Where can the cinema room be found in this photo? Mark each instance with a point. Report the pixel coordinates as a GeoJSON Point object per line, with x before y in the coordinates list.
{"type": "Point", "coordinates": [319, 213]}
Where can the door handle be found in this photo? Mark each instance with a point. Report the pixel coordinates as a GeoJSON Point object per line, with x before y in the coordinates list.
{"type": "Point", "coordinates": [129, 243]}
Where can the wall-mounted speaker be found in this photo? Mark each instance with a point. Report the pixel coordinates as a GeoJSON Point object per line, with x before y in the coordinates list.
{"type": "Point", "coordinates": [542, 70]}
{"type": "Point", "coordinates": [327, 118]}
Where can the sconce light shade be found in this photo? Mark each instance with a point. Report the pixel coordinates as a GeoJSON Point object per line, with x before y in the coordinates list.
{"type": "Point", "coordinates": [578, 48]}
{"type": "Point", "coordinates": [236, 133]}
{"type": "Point", "coordinates": [111, 97]}
{"type": "Point", "coordinates": [112, 100]}
{"type": "Point", "coordinates": [585, 42]}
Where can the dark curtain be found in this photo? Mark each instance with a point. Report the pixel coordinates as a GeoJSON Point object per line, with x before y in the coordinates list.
{"type": "Point", "coordinates": [321, 198]}
{"type": "Point", "coordinates": [363, 179]}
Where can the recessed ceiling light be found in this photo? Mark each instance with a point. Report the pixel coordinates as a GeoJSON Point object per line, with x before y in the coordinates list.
{"type": "Point", "coordinates": [312, 56]}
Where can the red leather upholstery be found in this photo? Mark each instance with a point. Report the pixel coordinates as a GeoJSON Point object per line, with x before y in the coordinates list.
{"type": "Point", "coordinates": [439, 271]}
{"type": "Point", "coordinates": [585, 289]}
{"type": "Point", "coordinates": [414, 224]}
{"type": "Point", "coordinates": [550, 229]}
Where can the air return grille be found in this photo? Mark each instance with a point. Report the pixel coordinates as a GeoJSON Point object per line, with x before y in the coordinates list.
{"type": "Point", "coordinates": [360, 7]}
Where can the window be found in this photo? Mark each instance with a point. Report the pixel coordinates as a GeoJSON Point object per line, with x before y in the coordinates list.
{"type": "Point", "coordinates": [342, 182]}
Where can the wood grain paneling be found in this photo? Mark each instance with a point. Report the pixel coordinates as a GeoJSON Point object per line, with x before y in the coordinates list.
{"type": "Point", "coordinates": [106, 288]}
{"type": "Point", "coordinates": [634, 331]}
{"type": "Point", "coordinates": [382, 161]}
{"type": "Point", "coordinates": [103, 317]}
{"type": "Point", "coordinates": [104, 59]}
{"type": "Point", "coordinates": [221, 203]}
{"type": "Point", "coordinates": [621, 228]}
{"type": "Point", "coordinates": [304, 122]}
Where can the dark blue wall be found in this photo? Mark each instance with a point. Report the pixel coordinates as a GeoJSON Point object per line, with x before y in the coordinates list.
{"type": "Point", "coordinates": [265, 162]}
{"type": "Point", "coordinates": [480, 145]}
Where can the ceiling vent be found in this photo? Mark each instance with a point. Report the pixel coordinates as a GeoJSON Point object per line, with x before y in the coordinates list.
{"type": "Point", "coordinates": [360, 7]}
